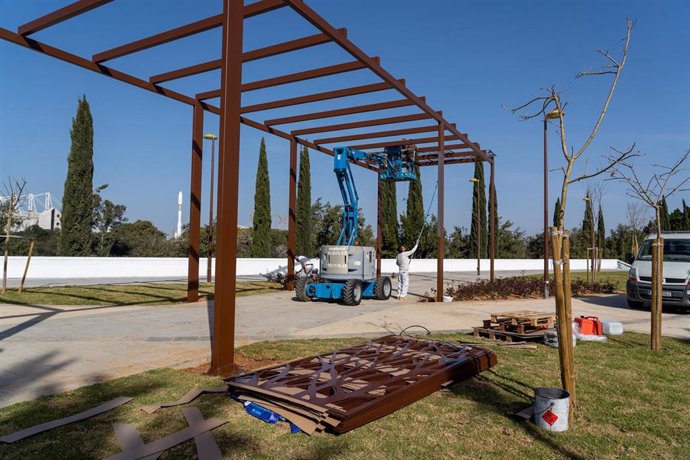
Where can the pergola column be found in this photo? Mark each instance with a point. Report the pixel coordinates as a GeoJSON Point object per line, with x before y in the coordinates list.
{"type": "Point", "coordinates": [379, 222]}
{"type": "Point", "coordinates": [195, 205]}
{"type": "Point", "coordinates": [492, 218]}
{"type": "Point", "coordinates": [292, 216]}
{"type": "Point", "coordinates": [441, 190]}
{"type": "Point", "coordinates": [223, 349]}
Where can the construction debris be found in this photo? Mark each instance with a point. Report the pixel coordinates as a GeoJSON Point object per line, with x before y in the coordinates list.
{"type": "Point", "coordinates": [134, 448]}
{"type": "Point", "coordinates": [188, 397]}
{"type": "Point", "coordinates": [347, 388]}
{"type": "Point", "coordinates": [25, 433]}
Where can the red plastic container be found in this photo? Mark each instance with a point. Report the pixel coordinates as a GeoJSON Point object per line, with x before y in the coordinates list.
{"type": "Point", "coordinates": [590, 325]}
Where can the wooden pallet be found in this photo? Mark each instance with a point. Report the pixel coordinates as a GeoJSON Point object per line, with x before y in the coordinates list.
{"type": "Point", "coordinates": [508, 336]}
{"type": "Point", "coordinates": [525, 317]}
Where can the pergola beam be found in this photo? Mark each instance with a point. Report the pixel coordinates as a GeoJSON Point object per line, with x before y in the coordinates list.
{"type": "Point", "coordinates": [390, 133]}
{"type": "Point", "coordinates": [79, 61]}
{"type": "Point", "coordinates": [254, 9]}
{"type": "Point", "coordinates": [364, 89]}
{"type": "Point", "coordinates": [473, 159]}
{"type": "Point", "coordinates": [447, 148]}
{"type": "Point", "coordinates": [306, 75]}
{"type": "Point", "coordinates": [320, 23]}
{"type": "Point", "coordinates": [57, 16]}
{"type": "Point", "coordinates": [268, 51]}
{"type": "Point", "coordinates": [340, 112]}
{"type": "Point", "coordinates": [362, 124]}
{"type": "Point", "coordinates": [422, 140]}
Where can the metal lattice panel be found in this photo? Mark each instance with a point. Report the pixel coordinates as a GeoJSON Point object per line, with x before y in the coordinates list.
{"type": "Point", "coordinates": [352, 386]}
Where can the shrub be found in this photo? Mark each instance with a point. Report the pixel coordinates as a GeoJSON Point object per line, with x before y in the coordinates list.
{"type": "Point", "coordinates": [520, 287]}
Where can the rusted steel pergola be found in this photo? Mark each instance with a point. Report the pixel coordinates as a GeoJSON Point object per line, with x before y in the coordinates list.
{"type": "Point", "coordinates": [439, 142]}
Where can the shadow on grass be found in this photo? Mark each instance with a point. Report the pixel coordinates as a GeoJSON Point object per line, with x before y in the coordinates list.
{"type": "Point", "coordinates": [95, 438]}
{"type": "Point", "coordinates": [167, 294]}
{"type": "Point", "coordinates": [503, 399]}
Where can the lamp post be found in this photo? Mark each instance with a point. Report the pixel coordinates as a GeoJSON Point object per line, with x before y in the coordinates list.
{"type": "Point", "coordinates": [212, 138]}
{"type": "Point", "coordinates": [555, 113]}
{"type": "Point", "coordinates": [479, 229]}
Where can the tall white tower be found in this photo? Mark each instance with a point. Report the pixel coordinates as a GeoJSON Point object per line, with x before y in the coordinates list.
{"type": "Point", "coordinates": [178, 229]}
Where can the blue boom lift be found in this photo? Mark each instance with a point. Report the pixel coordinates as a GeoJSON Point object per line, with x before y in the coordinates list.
{"type": "Point", "coordinates": [348, 271]}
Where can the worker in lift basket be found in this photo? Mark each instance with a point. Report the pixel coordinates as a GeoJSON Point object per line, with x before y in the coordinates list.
{"type": "Point", "coordinates": [403, 263]}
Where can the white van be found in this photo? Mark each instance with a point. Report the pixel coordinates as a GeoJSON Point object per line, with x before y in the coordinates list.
{"type": "Point", "coordinates": [676, 271]}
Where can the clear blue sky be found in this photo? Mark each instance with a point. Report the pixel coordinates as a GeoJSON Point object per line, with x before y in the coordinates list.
{"type": "Point", "coordinates": [468, 58]}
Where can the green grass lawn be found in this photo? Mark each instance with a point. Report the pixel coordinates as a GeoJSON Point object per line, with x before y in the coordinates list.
{"type": "Point", "coordinates": [126, 294]}
{"type": "Point", "coordinates": [617, 278]}
{"type": "Point", "coordinates": [633, 403]}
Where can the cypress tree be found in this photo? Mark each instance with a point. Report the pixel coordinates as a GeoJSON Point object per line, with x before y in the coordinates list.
{"type": "Point", "coordinates": [262, 245]}
{"type": "Point", "coordinates": [601, 232]}
{"type": "Point", "coordinates": [479, 208]}
{"type": "Point", "coordinates": [304, 241]}
{"type": "Point", "coordinates": [495, 210]}
{"type": "Point", "coordinates": [665, 218]}
{"type": "Point", "coordinates": [413, 220]}
{"type": "Point", "coordinates": [588, 225]}
{"type": "Point", "coordinates": [77, 199]}
{"type": "Point", "coordinates": [389, 219]}
{"type": "Point", "coordinates": [557, 212]}
{"type": "Point", "coordinates": [686, 217]}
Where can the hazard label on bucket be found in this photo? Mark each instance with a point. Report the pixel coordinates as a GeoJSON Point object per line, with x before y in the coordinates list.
{"type": "Point", "coordinates": [549, 417]}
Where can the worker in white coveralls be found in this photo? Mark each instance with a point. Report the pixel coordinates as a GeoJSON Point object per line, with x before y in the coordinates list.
{"type": "Point", "coordinates": [403, 263]}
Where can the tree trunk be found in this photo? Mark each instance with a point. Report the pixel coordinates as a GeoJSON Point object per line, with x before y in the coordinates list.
{"type": "Point", "coordinates": [10, 211]}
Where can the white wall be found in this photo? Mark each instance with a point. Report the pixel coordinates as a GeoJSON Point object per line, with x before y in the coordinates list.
{"type": "Point", "coordinates": [143, 267]}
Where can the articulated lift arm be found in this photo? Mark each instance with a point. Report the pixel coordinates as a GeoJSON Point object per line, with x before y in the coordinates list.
{"type": "Point", "coordinates": [396, 164]}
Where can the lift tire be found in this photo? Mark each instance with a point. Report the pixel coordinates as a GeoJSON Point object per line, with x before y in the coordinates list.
{"type": "Point", "coordinates": [352, 292]}
{"type": "Point", "coordinates": [382, 288]}
{"type": "Point", "coordinates": [301, 289]}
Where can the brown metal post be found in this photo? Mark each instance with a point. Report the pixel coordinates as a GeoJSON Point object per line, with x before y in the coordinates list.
{"type": "Point", "coordinates": [492, 218]}
{"type": "Point", "coordinates": [546, 213]}
{"type": "Point", "coordinates": [292, 217]}
{"type": "Point", "coordinates": [195, 205]}
{"type": "Point", "coordinates": [441, 203]}
{"type": "Point", "coordinates": [379, 230]}
{"type": "Point", "coordinates": [223, 349]}
{"type": "Point", "coordinates": [209, 262]}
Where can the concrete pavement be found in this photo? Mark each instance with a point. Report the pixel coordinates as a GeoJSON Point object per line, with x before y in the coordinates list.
{"type": "Point", "coordinates": [45, 350]}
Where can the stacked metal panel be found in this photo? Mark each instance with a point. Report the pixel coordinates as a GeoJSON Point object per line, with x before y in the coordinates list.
{"type": "Point", "coordinates": [347, 388]}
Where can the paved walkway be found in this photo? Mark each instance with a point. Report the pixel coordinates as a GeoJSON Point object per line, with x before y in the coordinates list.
{"type": "Point", "coordinates": [45, 350]}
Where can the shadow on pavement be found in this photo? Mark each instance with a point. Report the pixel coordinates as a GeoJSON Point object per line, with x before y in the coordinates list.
{"type": "Point", "coordinates": [613, 301]}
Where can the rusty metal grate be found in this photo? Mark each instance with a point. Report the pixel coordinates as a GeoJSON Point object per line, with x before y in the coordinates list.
{"type": "Point", "coordinates": [347, 388]}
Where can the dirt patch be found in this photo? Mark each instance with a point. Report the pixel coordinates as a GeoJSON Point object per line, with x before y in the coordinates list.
{"type": "Point", "coordinates": [245, 364]}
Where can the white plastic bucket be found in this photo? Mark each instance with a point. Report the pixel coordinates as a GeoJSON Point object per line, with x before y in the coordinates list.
{"type": "Point", "coordinates": [551, 407]}
{"type": "Point", "coordinates": [613, 327]}
{"type": "Point", "coordinates": [447, 298]}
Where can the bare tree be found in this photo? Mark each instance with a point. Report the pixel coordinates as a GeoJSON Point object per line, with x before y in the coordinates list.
{"type": "Point", "coordinates": [550, 106]}
{"type": "Point", "coordinates": [636, 214]}
{"type": "Point", "coordinates": [664, 182]}
{"type": "Point", "coordinates": [14, 189]}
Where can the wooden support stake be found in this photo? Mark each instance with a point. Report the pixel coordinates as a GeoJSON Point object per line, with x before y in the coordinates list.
{"type": "Point", "coordinates": [568, 323]}
{"type": "Point", "coordinates": [657, 292]}
{"type": "Point", "coordinates": [561, 315]}
{"type": "Point", "coordinates": [26, 268]}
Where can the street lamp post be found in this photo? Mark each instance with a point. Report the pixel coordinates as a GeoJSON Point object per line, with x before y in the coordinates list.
{"type": "Point", "coordinates": [555, 113]}
{"type": "Point", "coordinates": [212, 138]}
{"type": "Point", "coordinates": [479, 229]}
